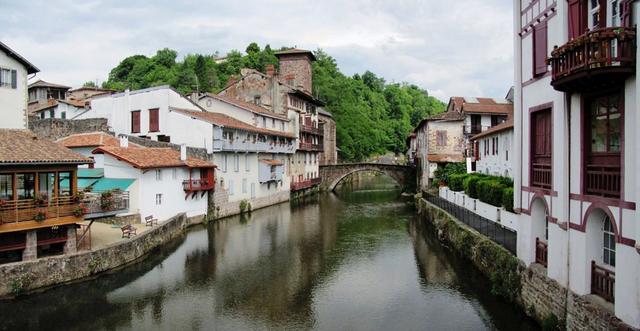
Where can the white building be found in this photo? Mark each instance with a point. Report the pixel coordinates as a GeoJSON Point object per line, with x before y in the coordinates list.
{"type": "Point", "coordinates": [576, 146]}
{"type": "Point", "coordinates": [63, 109]}
{"type": "Point", "coordinates": [14, 70]}
{"type": "Point", "coordinates": [493, 152]}
{"type": "Point", "coordinates": [166, 181]}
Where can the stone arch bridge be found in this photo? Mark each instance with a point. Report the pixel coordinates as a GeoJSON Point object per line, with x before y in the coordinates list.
{"type": "Point", "coordinates": [331, 175]}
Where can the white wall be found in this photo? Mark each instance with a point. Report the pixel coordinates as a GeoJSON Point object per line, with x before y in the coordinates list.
{"type": "Point", "coordinates": [500, 164]}
{"type": "Point", "coordinates": [14, 101]}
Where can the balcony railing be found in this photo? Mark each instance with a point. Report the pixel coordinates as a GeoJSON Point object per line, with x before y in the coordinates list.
{"type": "Point", "coordinates": [15, 211]}
{"type": "Point", "coordinates": [310, 147]}
{"type": "Point", "coordinates": [541, 252]}
{"type": "Point", "coordinates": [257, 146]}
{"type": "Point", "coordinates": [305, 184]}
{"type": "Point", "coordinates": [311, 129]}
{"type": "Point", "coordinates": [597, 58]}
{"type": "Point", "coordinates": [603, 180]}
{"type": "Point", "coordinates": [541, 175]}
{"type": "Point", "coordinates": [202, 184]}
{"type": "Point", "coordinates": [602, 282]}
{"type": "Point", "coordinates": [475, 129]}
{"type": "Point", "coordinates": [98, 203]}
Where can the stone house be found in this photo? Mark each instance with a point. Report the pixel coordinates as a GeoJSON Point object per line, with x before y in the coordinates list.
{"type": "Point", "coordinates": [14, 70]}
{"type": "Point", "coordinates": [329, 154]}
{"type": "Point", "coordinates": [576, 151]}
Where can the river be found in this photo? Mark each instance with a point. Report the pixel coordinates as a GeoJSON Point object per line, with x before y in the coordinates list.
{"type": "Point", "coordinates": [353, 261]}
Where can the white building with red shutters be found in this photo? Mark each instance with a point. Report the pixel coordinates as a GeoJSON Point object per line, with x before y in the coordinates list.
{"type": "Point", "coordinates": [576, 148]}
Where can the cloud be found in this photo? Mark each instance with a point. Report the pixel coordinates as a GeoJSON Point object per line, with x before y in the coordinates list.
{"type": "Point", "coordinates": [458, 47]}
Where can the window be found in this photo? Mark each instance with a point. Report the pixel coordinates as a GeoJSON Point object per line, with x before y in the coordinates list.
{"type": "Point", "coordinates": [608, 243]}
{"type": "Point", "coordinates": [441, 138]}
{"type": "Point", "coordinates": [540, 49]}
{"type": "Point", "coordinates": [594, 14]}
{"type": "Point", "coordinates": [52, 113]}
{"type": "Point", "coordinates": [605, 124]}
{"type": "Point", "coordinates": [236, 163]}
{"type": "Point", "coordinates": [282, 126]}
{"type": "Point", "coordinates": [158, 174]}
{"type": "Point", "coordinates": [42, 115]}
{"type": "Point", "coordinates": [264, 122]}
{"type": "Point", "coordinates": [6, 186]}
{"type": "Point", "coordinates": [224, 163]}
{"type": "Point", "coordinates": [64, 184]}
{"type": "Point", "coordinates": [63, 115]}
{"type": "Point", "coordinates": [246, 162]}
{"type": "Point", "coordinates": [158, 199]}
{"type": "Point", "coordinates": [154, 120]}
{"type": "Point", "coordinates": [8, 78]}
{"type": "Point", "coordinates": [273, 123]}
{"type": "Point", "coordinates": [164, 138]}
{"type": "Point", "coordinates": [256, 100]}
{"type": "Point", "coordinates": [174, 173]}
{"type": "Point", "coordinates": [541, 148]}
{"type": "Point", "coordinates": [135, 121]}
{"type": "Point", "coordinates": [497, 145]}
{"type": "Point", "coordinates": [230, 187]}
{"type": "Point", "coordinates": [244, 185]}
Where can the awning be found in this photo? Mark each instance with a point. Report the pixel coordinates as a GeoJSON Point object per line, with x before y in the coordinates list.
{"type": "Point", "coordinates": [90, 173]}
{"type": "Point", "coordinates": [107, 184]}
{"type": "Point", "coordinates": [85, 182]}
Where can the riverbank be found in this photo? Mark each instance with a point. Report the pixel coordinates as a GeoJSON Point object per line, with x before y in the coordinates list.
{"type": "Point", "coordinates": [540, 297]}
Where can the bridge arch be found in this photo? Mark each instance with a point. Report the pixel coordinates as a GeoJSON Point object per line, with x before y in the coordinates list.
{"type": "Point", "coordinates": [333, 174]}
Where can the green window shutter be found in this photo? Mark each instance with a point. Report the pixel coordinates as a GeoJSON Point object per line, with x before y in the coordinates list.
{"type": "Point", "coordinates": [14, 79]}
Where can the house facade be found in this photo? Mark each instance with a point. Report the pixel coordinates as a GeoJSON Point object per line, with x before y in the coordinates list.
{"type": "Point", "coordinates": [63, 109]}
{"type": "Point", "coordinates": [575, 147]}
{"type": "Point", "coordinates": [40, 209]}
{"type": "Point", "coordinates": [14, 71]}
{"type": "Point", "coordinates": [329, 154]}
{"type": "Point", "coordinates": [40, 92]}
{"type": "Point", "coordinates": [493, 151]}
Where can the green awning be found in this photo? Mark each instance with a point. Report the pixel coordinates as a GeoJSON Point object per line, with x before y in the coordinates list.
{"type": "Point", "coordinates": [84, 182]}
{"type": "Point", "coordinates": [106, 184]}
{"type": "Point", "coordinates": [90, 173]}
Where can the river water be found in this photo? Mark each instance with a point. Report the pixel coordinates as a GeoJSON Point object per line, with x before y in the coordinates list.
{"type": "Point", "coordinates": [352, 261]}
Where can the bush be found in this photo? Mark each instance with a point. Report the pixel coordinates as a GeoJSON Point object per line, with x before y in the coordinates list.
{"type": "Point", "coordinates": [456, 182]}
{"type": "Point", "coordinates": [471, 185]}
{"type": "Point", "coordinates": [490, 191]}
{"type": "Point", "coordinates": [442, 173]}
{"type": "Point", "coordinates": [507, 199]}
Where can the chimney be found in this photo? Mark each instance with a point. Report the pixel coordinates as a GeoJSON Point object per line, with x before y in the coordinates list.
{"type": "Point", "coordinates": [271, 70]}
{"type": "Point", "coordinates": [183, 152]}
{"type": "Point", "coordinates": [124, 141]}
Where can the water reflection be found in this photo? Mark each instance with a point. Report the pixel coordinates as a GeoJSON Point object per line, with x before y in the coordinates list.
{"type": "Point", "coordinates": [357, 260]}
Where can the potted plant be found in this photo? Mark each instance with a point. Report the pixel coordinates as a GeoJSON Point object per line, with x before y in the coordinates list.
{"type": "Point", "coordinates": [78, 196]}
{"type": "Point", "coordinates": [41, 199]}
{"type": "Point", "coordinates": [40, 216]}
{"type": "Point", "coordinates": [79, 211]}
{"type": "Point", "coordinates": [106, 201]}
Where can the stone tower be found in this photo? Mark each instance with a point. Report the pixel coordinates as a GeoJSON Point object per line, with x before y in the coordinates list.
{"type": "Point", "coordinates": [295, 68]}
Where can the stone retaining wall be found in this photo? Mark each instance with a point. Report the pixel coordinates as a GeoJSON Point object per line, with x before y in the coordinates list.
{"type": "Point", "coordinates": [539, 296]}
{"type": "Point", "coordinates": [221, 207]}
{"type": "Point", "coordinates": [55, 128]}
{"type": "Point", "coordinates": [27, 276]}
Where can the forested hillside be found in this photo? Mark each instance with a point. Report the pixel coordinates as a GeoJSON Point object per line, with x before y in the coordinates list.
{"type": "Point", "coordinates": [372, 117]}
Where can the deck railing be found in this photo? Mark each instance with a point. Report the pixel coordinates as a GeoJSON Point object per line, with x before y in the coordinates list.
{"type": "Point", "coordinates": [603, 180]}
{"type": "Point", "coordinates": [310, 146]}
{"type": "Point", "coordinates": [602, 282]}
{"type": "Point", "coordinates": [541, 252]}
{"type": "Point", "coordinates": [201, 184]}
{"type": "Point", "coordinates": [541, 175]}
{"type": "Point", "coordinates": [311, 129]}
{"type": "Point", "coordinates": [14, 211]}
{"type": "Point", "coordinates": [101, 202]}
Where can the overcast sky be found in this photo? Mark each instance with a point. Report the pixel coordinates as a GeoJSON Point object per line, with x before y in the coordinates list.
{"type": "Point", "coordinates": [448, 47]}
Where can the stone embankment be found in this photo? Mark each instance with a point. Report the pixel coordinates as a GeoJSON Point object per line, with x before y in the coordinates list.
{"type": "Point", "coordinates": [27, 276]}
{"type": "Point", "coordinates": [540, 297]}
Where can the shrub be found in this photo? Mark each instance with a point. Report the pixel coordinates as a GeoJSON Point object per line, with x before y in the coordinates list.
{"type": "Point", "coordinates": [507, 199]}
{"type": "Point", "coordinates": [442, 173]}
{"type": "Point", "coordinates": [456, 182]}
{"type": "Point", "coordinates": [471, 185]}
{"type": "Point", "coordinates": [490, 191]}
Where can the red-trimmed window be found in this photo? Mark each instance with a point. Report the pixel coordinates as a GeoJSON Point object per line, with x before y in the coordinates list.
{"type": "Point", "coordinates": [540, 49]}
{"type": "Point", "coordinates": [541, 145]}
{"type": "Point", "coordinates": [154, 120]}
{"type": "Point", "coordinates": [135, 121]}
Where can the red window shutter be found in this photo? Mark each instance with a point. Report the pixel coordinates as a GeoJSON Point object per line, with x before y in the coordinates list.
{"type": "Point", "coordinates": [476, 153]}
{"type": "Point", "coordinates": [135, 121]}
{"type": "Point", "coordinates": [154, 120]}
{"type": "Point", "coordinates": [603, 13]}
{"type": "Point", "coordinates": [577, 21]}
{"type": "Point", "coordinates": [540, 49]}
{"type": "Point", "coordinates": [625, 13]}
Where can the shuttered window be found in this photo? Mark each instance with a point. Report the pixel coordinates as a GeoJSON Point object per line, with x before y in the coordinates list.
{"type": "Point", "coordinates": [135, 121]}
{"type": "Point", "coordinates": [540, 49]}
{"type": "Point", "coordinates": [577, 18]}
{"type": "Point", "coordinates": [154, 120]}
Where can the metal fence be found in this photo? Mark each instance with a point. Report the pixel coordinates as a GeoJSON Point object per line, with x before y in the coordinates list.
{"type": "Point", "coordinates": [505, 237]}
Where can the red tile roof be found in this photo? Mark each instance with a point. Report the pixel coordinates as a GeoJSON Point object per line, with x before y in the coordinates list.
{"type": "Point", "coordinates": [230, 122]}
{"type": "Point", "coordinates": [91, 139]}
{"type": "Point", "coordinates": [480, 105]}
{"type": "Point", "coordinates": [150, 158]}
{"type": "Point", "coordinates": [508, 124]}
{"type": "Point", "coordinates": [24, 147]}
{"type": "Point", "coordinates": [295, 51]}
{"type": "Point", "coordinates": [246, 106]}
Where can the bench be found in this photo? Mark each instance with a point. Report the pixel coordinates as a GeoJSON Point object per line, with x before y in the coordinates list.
{"type": "Point", "coordinates": [150, 221]}
{"type": "Point", "coordinates": [128, 230]}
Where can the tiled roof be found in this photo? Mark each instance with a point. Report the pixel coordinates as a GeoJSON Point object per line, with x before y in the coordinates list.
{"type": "Point", "coordinates": [246, 106]}
{"type": "Point", "coordinates": [230, 122]}
{"type": "Point", "coordinates": [295, 51]}
{"type": "Point", "coordinates": [42, 83]}
{"type": "Point", "coordinates": [508, 124]}
{"type": "Point", "coordinates": [74, 102]}
{"type": "Point", "coordinates": [31, 69]}
{"type": "Point", "coordinates": [150, 158]}
{"type": "Point", "coordinates": [480, 105]}
{"type": "Point", "coordinates": [54, 103]}
{"type": "Point", "coordinates": [91, 139]}
{"type": "Point", "coordinates": [271, 162]}
{"type": "Point", "coordinates": [448, 116]}
{"type": "Point", "coordinates": [24, 147]}
{"type": "Point", "coordinates": [445, 158]}
{"type": "Point", "coordinates": [90, 88]}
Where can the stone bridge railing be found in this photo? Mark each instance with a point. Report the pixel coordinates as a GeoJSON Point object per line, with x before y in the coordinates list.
{"type": "Point", "coordinates": [331, 175]}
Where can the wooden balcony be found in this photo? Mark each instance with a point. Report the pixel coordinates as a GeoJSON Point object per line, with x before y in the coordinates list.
{"type": "Point", "coordinates": [603, 180]}
{"type": "Point", "coordinates": [541, 252]}
{"type": "Point", "coordinates": [541, 175]}
{"type": "Point", "coordinates": [27, 214]}
{"type": "Point", "coordinates": [597, 59]}
{"type": "Point", "coordinates": [305, 184]}
{"type": "Point", "coordinates": [311, 129]}
{"type": "Point", "coordinates": [603, 282]}
{"type": "Point", "coordinates": [311, 147]}
{"type": "Point", "coordinates": [192, 185]}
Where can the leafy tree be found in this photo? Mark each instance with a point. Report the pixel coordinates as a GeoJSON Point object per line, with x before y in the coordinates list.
{"type": "Point", "coordinates": [89, 84]}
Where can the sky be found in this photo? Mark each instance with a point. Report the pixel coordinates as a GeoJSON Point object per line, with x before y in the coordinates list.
{"type": "Point", "coordinates": [448, 47]}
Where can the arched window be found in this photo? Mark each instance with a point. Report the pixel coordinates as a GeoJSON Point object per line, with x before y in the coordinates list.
{"type": "Point", "coordinates": [608, 243]}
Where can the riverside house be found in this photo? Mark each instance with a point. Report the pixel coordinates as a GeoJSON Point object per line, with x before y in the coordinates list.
{"type": "Point", "coordinates": [13, 88]}
{"type": "Point", "coordinates": [40, 210]}
{"type": "Point", "coordinates": [576, 148]}
{"type": "Point", "coordinates": [493, 151]}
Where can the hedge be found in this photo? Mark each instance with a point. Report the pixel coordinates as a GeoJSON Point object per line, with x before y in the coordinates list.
{"type": "Point", "coordinates": [507, 199]}
{"type": "Point", "coordinates": [471, 184]}
{"type": "Point", "coordinates": [490, 191]}
{"type": "Point", "coordinates": [455, 182]}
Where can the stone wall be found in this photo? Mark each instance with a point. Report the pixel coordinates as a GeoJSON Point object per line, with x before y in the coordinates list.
{"type": "Point", "coordinates": [221, 207]}
{"type": "Point", "coordinates": [539, 296]}
{"type": "Point", "coordinates": [27, 276]}
{"type": "Point", "coordinates": [55, 128]}
{"type": "Point", "coordinates": [329, 154]}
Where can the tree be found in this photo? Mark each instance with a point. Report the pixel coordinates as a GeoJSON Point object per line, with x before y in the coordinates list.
{"type": "Point", "coordinates": [89, 84]}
